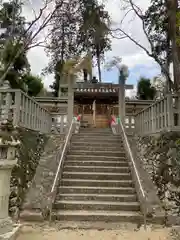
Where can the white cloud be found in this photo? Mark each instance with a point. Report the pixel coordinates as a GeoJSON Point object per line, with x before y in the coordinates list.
{"type": "Point", "coordinates": [131, 54]}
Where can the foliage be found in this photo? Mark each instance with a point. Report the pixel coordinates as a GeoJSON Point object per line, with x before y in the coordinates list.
{"type": "Point", "coordinates": [156, 27]}
{"type": "Point", "coordinates": [159, 83]}
{"type": "Point", "coordinates": [11, 21]}
{"type": "Point", "coordinates": [161, 21]}
{"type": "Point", "coordinates": [156, 23]}
{"type": "Point", "coordinates": [178, 25]}
{"type": "Point", "coordinates": [62, 43]}
{"type": "Point", "coordinates": [145, 91]}
{"type": "Point", "coordinates": [13, 24]}
{"type": "Point", "coordinates": [34, 84]}
{"type": "Point", "coordinates": [18, 30]}
{"type": "Point", "coordinates": [115, 62]}
{"type": "Point", "coordinates": [79, 27]}
{"type": "Point", "coordinates": [94, 30]}
{"type": "Point", "coordinates": [10, 43]}
{"type": "Point", "coordinates": [57, 77]}
{"type": "Point", "coordinates": [29, 152]}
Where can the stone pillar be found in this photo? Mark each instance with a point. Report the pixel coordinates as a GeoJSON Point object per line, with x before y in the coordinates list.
{"type": "Point", "coordinates": [121, 98]}
{"type": "Point", "coordinates": [7, 162]}
{"type": "Point", "coordinates": [70, 98]}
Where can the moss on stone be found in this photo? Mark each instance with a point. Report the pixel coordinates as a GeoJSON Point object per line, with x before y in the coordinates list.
{"type": "Point", "coordinates": [29, 151]}
{"type": "Point", "coordinates": [161, 158]}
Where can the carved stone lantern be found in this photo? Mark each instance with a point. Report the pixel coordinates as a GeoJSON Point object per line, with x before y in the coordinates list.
{"type": "Point", "coordinates": [8, 148]}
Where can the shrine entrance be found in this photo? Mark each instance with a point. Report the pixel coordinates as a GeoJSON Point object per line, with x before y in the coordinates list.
{"type": "Point", "coordinates": [102, 116]}
{"type": "Point", "coordinates": [95, 114]}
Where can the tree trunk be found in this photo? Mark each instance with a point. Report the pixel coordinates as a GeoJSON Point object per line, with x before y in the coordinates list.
{"type": "Point", "coordinates": [99, 69]}
{"type": "Point", "coordinates": [98, 62]}
{"type": "Point", "coordinates": [172, 11]}
{"type": "Point", "coordinates": [168, 86]}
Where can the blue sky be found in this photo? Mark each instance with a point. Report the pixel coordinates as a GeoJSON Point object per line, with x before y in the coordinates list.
{"type": "Point", "coordinates": [135, 73]}
{"type": "Point", "coordinates": [135, 58]}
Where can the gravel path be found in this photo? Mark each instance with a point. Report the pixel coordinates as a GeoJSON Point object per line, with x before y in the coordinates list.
{"type": "Point", "coordinates": [53, 233]}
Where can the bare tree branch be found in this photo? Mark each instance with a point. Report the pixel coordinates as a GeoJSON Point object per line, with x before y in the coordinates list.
{"type": "Point", "coordinates": [138, 12]}
{"type": "Point", "coordinates": [31, 36]}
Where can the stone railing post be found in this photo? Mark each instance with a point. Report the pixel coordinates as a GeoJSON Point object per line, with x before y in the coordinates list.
{"type": "Point", "coordinates": [121, 102]}
{"type": "Point", "coordinates": [5, 113]}
{"type": "Point", "coordinates": [8, 146]}
{"type": "Point", "coordinates": [17, 109]}
{"type": "Point", "coordinates": [70, 98]}
{"type": "Point", "coordinates": [170, 111]}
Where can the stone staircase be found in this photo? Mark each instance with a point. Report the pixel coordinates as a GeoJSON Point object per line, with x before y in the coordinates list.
{"type": "Point", "coordinates": [96, 184]}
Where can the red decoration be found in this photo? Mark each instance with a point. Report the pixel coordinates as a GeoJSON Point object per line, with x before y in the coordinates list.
{"type": "Point", "coordinates": [78, 117]}
{"type": "Point", "coordinates": [113, 120]}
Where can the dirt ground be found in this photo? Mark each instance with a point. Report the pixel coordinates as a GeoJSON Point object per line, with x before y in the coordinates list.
{"type": "Point", "coordinates": [126, 233]}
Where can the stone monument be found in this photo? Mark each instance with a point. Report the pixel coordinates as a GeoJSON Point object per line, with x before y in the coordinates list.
{"type": "Point", "coordinates": [8, 159]}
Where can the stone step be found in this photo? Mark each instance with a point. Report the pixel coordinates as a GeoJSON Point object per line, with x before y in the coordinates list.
{"type": "Point", "coordinates": [96, 205]}
{"type": "Point", "coordinates": [98, 135]}
{"type": "Point", "coordinates": [98, 153]}
{"type": "Point", "coordinates": [94, 158]}
{"type": "Point", "coordinates": [92, 131]}
{"type": "Point", "coordinates": [92, 134]}
{"type": "Point", "coordinates": [96, 190]}
{"type": "Point", "coordinates": [96, 183]}
{"type": "Point", "coordinates": [97, 197]}
{"type": "Point", "coordinates": [99, 130]}
{"type": "Point", "coordinates": [95, 141]}
{"type": "Point", "coordinates": [102, 144]}
{"type": "Point", "coordinates": [96, 163]}
{"type": "Point", "coordinates": [112, 139]}
{"type": "Point", "coordinates": [97, 175]}
{"type": "Point", "coordinates": [104, 169]}
{"type": "Point", "coordinates": [106, 216]}
{"type": "Point", "coordinates": [97, 147]}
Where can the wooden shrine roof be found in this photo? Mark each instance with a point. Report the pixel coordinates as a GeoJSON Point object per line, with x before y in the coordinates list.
{"type": "Point", "coordinates": [84, 86]}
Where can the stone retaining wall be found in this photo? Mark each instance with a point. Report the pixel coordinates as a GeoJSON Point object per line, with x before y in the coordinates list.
{"type": "Point", "coordinates": [36, 200]}
{"type": "Point", "coordinates": [160, 157]}
{"type": "Point", "coordinates": [29, 152]}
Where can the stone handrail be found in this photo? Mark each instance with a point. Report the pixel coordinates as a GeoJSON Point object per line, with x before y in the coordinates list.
{"type": "Point", "coordinates": [129, 123]}
{"type": "Point", "coordinates": [60, 165]}
{"type": "Point", "coordinates": [119, 128]}
{"type": "Point", "coordinates": [163, 115]}
{"type": "Point", "coordinates": [25, 111]}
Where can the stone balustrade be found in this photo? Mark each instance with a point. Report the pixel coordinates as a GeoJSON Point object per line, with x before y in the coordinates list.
{"type": "Point", "coordinates": [26, 112]}
{"type": "Point", "coordinates": [59, 123]}
{"type": "Point", "coordinates": [163, 115]}
{"type": "Point", "coordinates": [129, 124]}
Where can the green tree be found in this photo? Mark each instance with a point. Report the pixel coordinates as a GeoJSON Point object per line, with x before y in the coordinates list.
{"type": "Point", "coordinates": [10, 43]}
{"type": "Point", "coordinates": [145, 91]}
{"type": "Point", "coordinates": [156, 25]}
{"type": "Point", "coordinates": [57, 78]}
{"type": "Point", "coordinates": [14, 25]}
{"type": "Point", "coordinates": [94, 31]}
{"type": "Point", "coordinates": [79, 27]}
{"type": "Point", "coordinates": [62, 44]}
{"type": "Point", "coordinates": [34, 84]}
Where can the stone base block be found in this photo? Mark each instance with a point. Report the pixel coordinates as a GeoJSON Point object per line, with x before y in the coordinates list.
{"type": "Point", "coordinates": [11, 235]}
